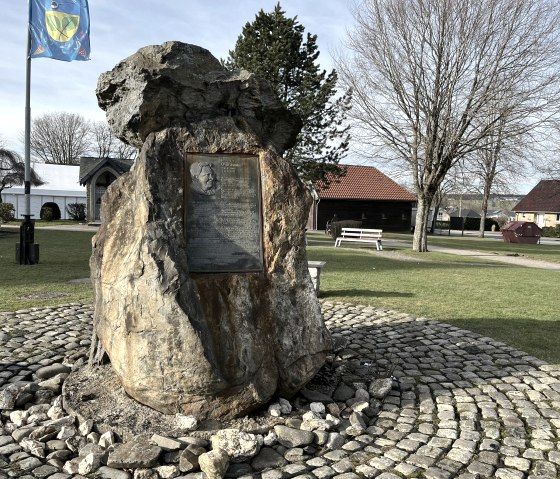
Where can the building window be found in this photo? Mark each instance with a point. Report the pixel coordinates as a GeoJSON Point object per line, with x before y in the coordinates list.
{"type": "Point", "coordinates": [557, 217]}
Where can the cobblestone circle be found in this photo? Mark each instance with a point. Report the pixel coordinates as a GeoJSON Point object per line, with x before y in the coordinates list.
{"type": "Point", "coordinates": [462, 405]}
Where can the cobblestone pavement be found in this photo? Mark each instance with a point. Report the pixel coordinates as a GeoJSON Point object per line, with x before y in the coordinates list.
{"type": "Point", "coordinates": [462, 405]}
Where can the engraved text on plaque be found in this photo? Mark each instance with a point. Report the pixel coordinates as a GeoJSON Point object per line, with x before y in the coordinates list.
{"type": "Point", "coordinates": [223, 213]}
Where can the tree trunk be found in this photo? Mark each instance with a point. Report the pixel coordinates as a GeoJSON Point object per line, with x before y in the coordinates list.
{"type": "Point", "coordinates": [485, 196]}
{"type": "Point", "coordinates": [420, 240]}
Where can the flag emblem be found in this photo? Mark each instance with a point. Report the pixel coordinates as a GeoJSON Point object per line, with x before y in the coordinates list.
{"type": "Point", "coordinates": [59, 29]}
{"type": "Point", "coordinates": [61, 26]}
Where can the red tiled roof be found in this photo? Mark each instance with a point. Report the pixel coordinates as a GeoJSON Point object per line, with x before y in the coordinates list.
{"type": "Point", "coordinates": [365, 183]}
{"type": "Point", "coordinates": [545, 197]}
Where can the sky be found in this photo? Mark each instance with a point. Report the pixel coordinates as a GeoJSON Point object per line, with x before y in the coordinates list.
{"type": "Point", "coordinates": [119, 28]}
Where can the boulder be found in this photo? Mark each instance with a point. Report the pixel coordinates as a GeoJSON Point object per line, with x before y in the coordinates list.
{"type": "Point", "coordinates": [175, 84]}
{"type": "Point", "coordinates": [214, 345]}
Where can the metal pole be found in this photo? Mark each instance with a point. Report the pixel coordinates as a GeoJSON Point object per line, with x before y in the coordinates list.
{"type": "Point", "coordinates": [27, 252]}
{"type": "Point", "coordinates": [27, 133]}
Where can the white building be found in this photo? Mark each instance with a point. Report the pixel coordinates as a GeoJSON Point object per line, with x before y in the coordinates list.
{"type": "Point", "coordinates": [61, 186]}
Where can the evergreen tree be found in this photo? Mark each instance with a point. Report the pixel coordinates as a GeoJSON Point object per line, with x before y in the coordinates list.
{"type": "Point", "coordinates": [273, 47]}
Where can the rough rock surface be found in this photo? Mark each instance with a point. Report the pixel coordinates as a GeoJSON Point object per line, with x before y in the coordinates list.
{"type": "Point", "coordinates": [211, 345]}
{"type": "Point", "coordinates": [174, 84]}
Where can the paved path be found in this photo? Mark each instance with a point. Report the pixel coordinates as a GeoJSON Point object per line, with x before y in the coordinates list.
{"type": "Point", "coordinates": [461, 406]}
{"type": "Point", "coordinates": [513, 260]}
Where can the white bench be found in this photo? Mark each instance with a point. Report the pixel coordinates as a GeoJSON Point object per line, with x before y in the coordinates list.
{"type": "Point", "coordinates": [360, 235]}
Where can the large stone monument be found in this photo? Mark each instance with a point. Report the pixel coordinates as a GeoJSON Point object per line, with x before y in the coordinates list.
{"type": "Point", "coordinates": [204, 303]}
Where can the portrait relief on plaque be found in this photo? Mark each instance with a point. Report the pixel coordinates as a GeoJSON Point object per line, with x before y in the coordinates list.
{"type": "Point", "coordinates": [223, 218]}
{"type": "Point", "coordinates": [204, 179]}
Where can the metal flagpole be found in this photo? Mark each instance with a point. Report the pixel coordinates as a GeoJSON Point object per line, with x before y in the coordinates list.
{"type": "Point", "coordinates": [27, 252]}
{"type": "Point", "coordinates": [27, 133]}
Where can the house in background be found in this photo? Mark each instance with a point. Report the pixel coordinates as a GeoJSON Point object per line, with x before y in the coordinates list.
{"type": "Point", "coordinates": [462, 213]}
{"type": "Point", "coordinates": [500, 213]}
{"type": "Point", "coordinates": [541, 205]}
{"type": "Point", "coordinates": [60, 186]}
{"type": "Point", "coordinates": [96, 174]}
{"type": "Point", "coordinates": [364, 194]}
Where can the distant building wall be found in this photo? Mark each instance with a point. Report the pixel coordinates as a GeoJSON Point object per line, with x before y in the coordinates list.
{"type": "Point", "coordinates": [388, 215]}
{"type": "Point", "coordinates": [541, 219]}
{"type": "Point", "coordinates": [61, 186]}
{"type": "Point", "coordinates": [38, 200]}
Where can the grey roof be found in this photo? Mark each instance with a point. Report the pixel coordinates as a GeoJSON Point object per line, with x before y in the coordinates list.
{"type": "Point", "coordinates": [90, 165]}
{"type": "Point", "coordinates": [463, 213]}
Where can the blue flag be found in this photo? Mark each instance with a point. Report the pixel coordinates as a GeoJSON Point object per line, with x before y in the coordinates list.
{"type": "Point", "coordinates": [59, 29]}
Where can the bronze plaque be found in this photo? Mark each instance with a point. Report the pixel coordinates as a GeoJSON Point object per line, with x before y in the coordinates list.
{"type": "Point", "coordinates": [223, 213]}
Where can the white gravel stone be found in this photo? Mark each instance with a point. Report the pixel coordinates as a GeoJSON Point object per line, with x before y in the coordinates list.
{"type": "Point", "coordinates": [186, 422]}
{"type": "Point", "coordinates": [19, 418]}
{"type": "Point", "coordinates": [270, 439]}
{"type": "Point", "coordinates": [275, 410]}
{"type": "Point", "coordinates": [90, 463]}
{"type": "Point", "coordinates": [239, 445]}
{"type": "Point", "coordinates": [167, 471]}
{"type": "Point", "coordinates": [66, 432]}
{"type": "Point", "coordinates": [107, 439]}
{"type": "Point", "coordinates": [285, 406]}
{"type": "Point", "coordinates": [317, 407]}
{"type": "Point", "coordinates": [85, 427]}
{"type": "Point", "coordinates": [214, 464]}
{"type": "Point", "coordinates": [34, 447]}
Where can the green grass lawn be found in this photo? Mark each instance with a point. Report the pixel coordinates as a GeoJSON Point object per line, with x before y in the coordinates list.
{"type": "Point", "coordinates": [64, 256]}
{"type": "Point", "coordinates": [516, 305]}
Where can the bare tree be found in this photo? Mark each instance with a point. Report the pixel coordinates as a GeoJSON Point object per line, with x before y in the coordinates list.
{"type": "Point", "coordinates": [102, 139]}
{"type": "Point", "coordinates": [12, 171]}
{"type": "Point", "coordinates": [425, 74]}
{"type": "Point", "coordinates": [60, 138]}
{"type": "Point", "coordinates": [454, 181]}
{"type": "Point", "coordinates": [124, 150]}
{"type": "Point", "coordinates": [545, 161]}
{"type": "Point", "coordinates": [105, 144]}
{"type": "Point", "coordinates": [495, 165]}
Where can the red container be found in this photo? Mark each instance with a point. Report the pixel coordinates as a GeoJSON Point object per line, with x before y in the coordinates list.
{"type": "Point", "coordinates": [521, 232]}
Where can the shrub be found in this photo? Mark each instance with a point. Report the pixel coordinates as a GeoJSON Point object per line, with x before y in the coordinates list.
{"type": "Point", "coordinates": [7, 212]}
{"type": "Point", "coordinates": [551, 231]}
{"type": "Point", "coordinates": [442, 225]}
{"type": "Point", "coordinates": [47, 213]}
{"type": "Point", "coordinates": [76, 211]}
{"type": "Point", "coordinates": [53, 215]}
{"type": "Point", "coordinates": [473, 224]}
{"type": "Point", "coordinates": [502, 220]}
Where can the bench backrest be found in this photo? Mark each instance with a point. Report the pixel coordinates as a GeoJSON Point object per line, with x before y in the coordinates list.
{"type": "Point", "coordinates": [335, 227]}
{"type": "Point", "coordinates": [363, 233]}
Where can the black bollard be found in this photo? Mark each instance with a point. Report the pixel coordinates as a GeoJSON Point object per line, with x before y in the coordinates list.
{"type": "Point", "coordinates": [27, 252]}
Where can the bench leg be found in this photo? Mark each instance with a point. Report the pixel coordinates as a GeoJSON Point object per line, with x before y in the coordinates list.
{"type": "Point", "coordinates": [336, 243]}
{"type": "Point", "coordinates": [379, 245]}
